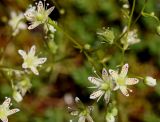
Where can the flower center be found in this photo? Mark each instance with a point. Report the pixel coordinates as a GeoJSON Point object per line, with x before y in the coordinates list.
{"type": "Point", "coordinates": [3, 112]}
{"type": "Point", "coordinates": [40, 17]}
{"type": "Point", "coordinates": [30, 61]}
{"type": "Point", "coordinates": [104, 86]}
{"type": "Point", "coordinates": [121, 81]}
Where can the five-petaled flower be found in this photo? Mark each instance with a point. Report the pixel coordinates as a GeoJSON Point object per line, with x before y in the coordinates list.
{"type": "Point", "coordinates": [104, 86]}
{"type": "Point", "coordinates": [82, 111]}
{"type": "Point", "coordinates": [122, 80]}
{"type": "Point", "coordinates": [30, 60]}
{"type": "Point", "coordinates": [5, 111]}
{"type": "Point", "coordinates": [16, 23]}
{"type": "Point", "coordinates": [38, 14]}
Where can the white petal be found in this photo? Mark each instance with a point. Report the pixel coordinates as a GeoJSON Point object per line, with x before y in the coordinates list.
{"type": "Point", "coordinates": [40, 7]}
{"type": "Point", "coordinates": [4, 119]}
{"type": "Point", "coordinates": [124, 70]}
{"type": "Point", "coordinates": [22, 53]}
{"type": "Point", "coordinates": [7, 102]}
{"type": "Point", "coordinates": [33, 25]}
{"type": "Point", "coordinates": [131, 81]}
{"type": "Point", "coordinates": [107, 96]}
{"type": "Point", "coordinates": [96, 94]}
{"type": "Point", "coordinates": [41, 60]}
{"type": "Point", "coordinates": [10, 112]}
{"type": "Point", "coordinates": [114, 74]}
{"type": "Point", "coordinates": [81, 119]}
{"type": "Point", "coordinates": [32, 51]}
{"type": "Point", "coordinates": [50, 10]}
{"type": "Point", "coordinates": [24, 65]}
{"type": "Point", "coordinates": [95, 81]}
{"type": "Point", "coordinates": [34, 70]}
{"type": "Point", "coordinates": [105, 74]}
{"type": "Point", "coordinates": [124, 90]}
{"type": "Point", "coordinates": [30, 14]}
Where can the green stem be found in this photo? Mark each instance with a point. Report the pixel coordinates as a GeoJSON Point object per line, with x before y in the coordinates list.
{"type": "Point", "coordinates": [139, 13]}
{"type": "Point", "coordinates": [78, 45]}
{"type": "Point", "coordinates": [131, 15]}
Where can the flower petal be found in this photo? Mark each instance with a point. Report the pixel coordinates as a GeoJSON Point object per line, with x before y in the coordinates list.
{"type": "Point", "coordinates": [32, 51]}
{"type": "Point", "coordinates": [6, 102]}
{"type": "Point", "coordinates": [10, 112]}
{"type": "Point", "coordinates": [107, 96]}
{"type": "Point", "coordinates": [41, 60]}
{"type": "Point", "coordinates": [131, 81]}
{"type": "Point", "coordinates": [33, 25]}
{"type": "Point", "coordinates": [124, 90]}
{"type": "Point", "coordinates": [30, 14]}
{"type": "Point", "coordinates": [24, 65]}
{"type": "Point", "coordinates": [50, 10]}
{"type": "Point", "coordinates": [22, 53]}
{"type": "Point", "coordinates": [124, 70]}
{"type": "Point", "coordinates": [105, 75]}
{"type": "Point", "coordinates": [114, 74]}
{"type": "Point", "coordinates": [34, 70]}
{"type": "Point", "coordinates": [40, 7]}
{"type": "Point", "coordinates": [96, 94]}
{"type": "Point", "coordinates": [5, 119]}
{"type": "Point", "coordinates": [95, 81]}
{"type": "Point", "coordinates": [81, 119]}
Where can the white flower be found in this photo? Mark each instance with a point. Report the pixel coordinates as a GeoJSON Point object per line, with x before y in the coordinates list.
{"type": "Point", "coordinates": [104, 86]}
{"type": "Point", "coordinates": [110, 118]}
{"type": "Point", "coordinates": [122, 80]}
{"type": "Point", "coordinates": [5, 111]}
{"type": "Point", "coordinates": [129, 38]}
{"type": "Point", "coordinates": [82, 112]}
{"type": "Point", "coordinates": [38, 15]}
{"type": "Point", "coordinates": [30, 60]}
{"type": "Point", "coordinates": [150, 81]}
{"type": "Point", "coordinates": [16, 23]}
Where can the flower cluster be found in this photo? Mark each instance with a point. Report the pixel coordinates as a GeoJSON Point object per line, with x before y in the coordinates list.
{"type": "Point", "coordinates": [111, 82]}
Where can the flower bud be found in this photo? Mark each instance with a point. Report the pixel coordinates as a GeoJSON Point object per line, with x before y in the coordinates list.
{"type": "Point", "coordinates": [17, 96]}
{"type": "Point", "coordinates": [158, 30]}
{"type": "Point", "coordinates": [107, 35]}
{"type": "Point", "coordinates": [150, 81]}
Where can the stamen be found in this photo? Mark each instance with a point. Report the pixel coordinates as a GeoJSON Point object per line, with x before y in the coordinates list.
{"type": "Point", "coordinates": [97, 74]}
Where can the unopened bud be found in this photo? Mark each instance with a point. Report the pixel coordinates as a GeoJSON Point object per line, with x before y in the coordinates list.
{"type": "Point", "coordinates": [150, 81]}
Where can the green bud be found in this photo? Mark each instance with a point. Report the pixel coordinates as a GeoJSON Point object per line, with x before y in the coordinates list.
{"type": "Point", "coordinates": [17, 96]}
{"type": "Point", "coordinates": [52, 46]}
{"type": "Point", "coordinates": [114, 111]}
{"type": "Point", "coordinates": [158, 30]}
{"type": "Point", "coordinates": [107, 35]}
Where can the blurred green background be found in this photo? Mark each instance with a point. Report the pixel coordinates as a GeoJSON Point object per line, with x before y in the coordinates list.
{"type": "Point", "coordinates": [57, 85]}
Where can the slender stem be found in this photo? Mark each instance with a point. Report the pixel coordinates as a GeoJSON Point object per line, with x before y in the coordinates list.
{"type": "Point", "coordinates": [131, 15]}
{"type": "Point", "coordinates": [78, 45]}
{"type": "Point", "coordinates": [139, 13]}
